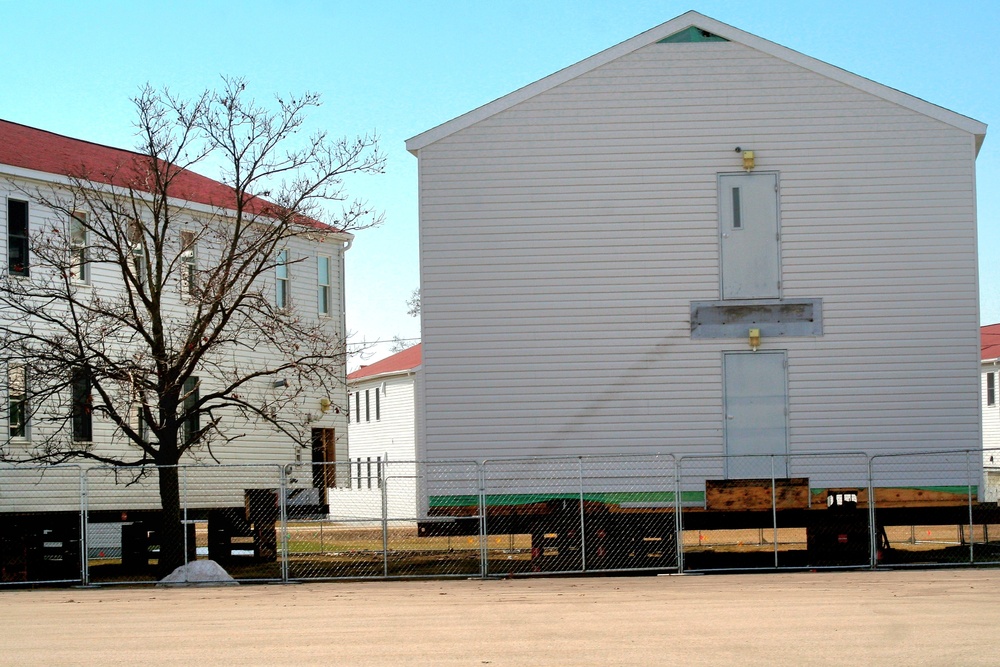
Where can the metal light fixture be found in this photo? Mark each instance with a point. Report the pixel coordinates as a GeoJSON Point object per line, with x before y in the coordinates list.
{"type": "Point", "coordinates": [754, 339]}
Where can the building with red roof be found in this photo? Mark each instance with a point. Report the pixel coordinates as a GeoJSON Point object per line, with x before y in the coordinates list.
{"type": "Point", "coordinates": [39, 168]}
{"type": "Point", "coordinates": [990, 342]}
{"type": "Point", "coordinates": [383, 403]}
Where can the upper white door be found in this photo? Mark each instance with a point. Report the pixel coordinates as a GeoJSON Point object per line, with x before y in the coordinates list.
{"type": "Point", "coordinates": [748, 224]}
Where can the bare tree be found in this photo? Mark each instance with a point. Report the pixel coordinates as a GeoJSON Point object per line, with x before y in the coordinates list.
{"type": "Point", "coordinates": [171, 353]}
{"type": "Point", "coordinates": [413, 303]}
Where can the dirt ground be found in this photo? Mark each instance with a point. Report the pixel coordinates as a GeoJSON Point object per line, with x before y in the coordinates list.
{"type": "Point", "coordinates": [937, 617]}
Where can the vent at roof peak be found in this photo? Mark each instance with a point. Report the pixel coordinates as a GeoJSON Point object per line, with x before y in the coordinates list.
{"type": "Point", "coordinates": [692, 34]}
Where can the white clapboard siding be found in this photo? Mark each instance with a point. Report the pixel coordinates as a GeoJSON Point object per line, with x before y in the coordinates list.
{"type": "Point", "coordinates": [564, 238]}
{"type": "Point", "coordinates": [258, 445]}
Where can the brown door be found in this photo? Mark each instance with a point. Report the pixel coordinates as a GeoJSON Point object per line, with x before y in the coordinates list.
{"type": "Point", "coordinates": [324, 457]}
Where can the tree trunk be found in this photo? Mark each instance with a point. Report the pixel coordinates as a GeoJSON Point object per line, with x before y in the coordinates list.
{"type": "Point", "coordinates": [171, 531]}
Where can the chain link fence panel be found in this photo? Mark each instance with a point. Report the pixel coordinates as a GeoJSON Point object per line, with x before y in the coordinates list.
{"type": "Point", "coordinates": [41, 524]}
{"type": "Point", "coordinates": [951, 533]}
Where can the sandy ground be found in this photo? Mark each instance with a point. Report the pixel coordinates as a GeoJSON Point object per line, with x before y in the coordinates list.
{"type": "Point", "coordinates": [940, 617]}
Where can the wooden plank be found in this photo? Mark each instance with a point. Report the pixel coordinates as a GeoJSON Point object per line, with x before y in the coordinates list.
{"type": "Point", "coordinates": [755, 494]}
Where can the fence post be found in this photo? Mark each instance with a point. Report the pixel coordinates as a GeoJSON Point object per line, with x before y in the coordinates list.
{"type": "Point", "coordinates": [583, 522]}
{"type": "Point", "coordinates": [484, 560]}
{"type": "Point", "coordinates": [385, 516]}
{"type": "Point", "coordinates": [774, 512]}
{"type": "Point", "coordinates": [84, 522]}
{"type": "Point", "coordinates": [972, 526]}
{"type": "Point", "coordinates": [872, 527]}
{"type": "Point", "coordinates": [678, 516]}
{"type": "Point", "coordinates": [283, 472]}
{"type": "Point", "coordinates": [184, 510]}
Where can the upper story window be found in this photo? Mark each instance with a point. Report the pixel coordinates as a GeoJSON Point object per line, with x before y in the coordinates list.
{"type": "Point", "coordinates": [17, 237]}
{"type": "Point", "coordinates": [78, 268]}
{"type": "Point", "coordinates": [281, 280]}
{"type": "Point", "coordinates": [189, 264]}
{"type": "Point", "coordinates": [991, 389]}
{"type": "Point", "coordinates": [357, 406]}
{"type": "Point", "coordinates": [323, 284]}
{"type": "Point", "coordinates": [81, 405]}
{"type": "Point", "coordinates": [138, 251]}
{"type": "Point", "coordinates": [17, 397]}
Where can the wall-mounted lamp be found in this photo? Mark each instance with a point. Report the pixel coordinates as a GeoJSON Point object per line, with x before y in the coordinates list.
{"type": "Point", "coordinates": [748, 161]}
{"type": "Point", "coordinates": [279, 383]}
{"type": "Point", "coordinates": [324, 405]}
{"type": "Point", "coordinates": [754, 339]}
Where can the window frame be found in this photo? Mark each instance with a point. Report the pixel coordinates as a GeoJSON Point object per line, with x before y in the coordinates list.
{"type": "Point", "coordinates": [991, 388]}
{"type": "Point", "coordinates": [324, 285]}
{"type": "Point", "coordinates": [22, 240]}
{"type": "Point", "coordinates": [19, 430]}
{"type": "Point", "coordinates": [282, 280]}
{"type": "Point", "coordinates": [81, 405]}
{"type": "Point", "coordinates": [189, 263]}
{"type": "Point", "coordinates": [79, 265]}
{"type": "Point", "coordinates": [191, 393]}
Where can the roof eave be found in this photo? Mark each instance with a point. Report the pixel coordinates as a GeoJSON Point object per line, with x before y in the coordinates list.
{"type": "Point", "coordinates": [382, 376]}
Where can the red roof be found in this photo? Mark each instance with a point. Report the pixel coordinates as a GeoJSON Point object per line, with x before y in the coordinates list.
{"type": "Point", "coordinates": [406, 360]}
{"type": "Point", "coordinates": [990, 338]}
{"type": "Point", "coordinates": [31, 148]}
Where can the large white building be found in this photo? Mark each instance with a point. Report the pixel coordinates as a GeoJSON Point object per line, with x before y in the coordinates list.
{"type": "Point", "coordinates": [699, 242]}
{"type": "Point", "coordinates": [38, 167]}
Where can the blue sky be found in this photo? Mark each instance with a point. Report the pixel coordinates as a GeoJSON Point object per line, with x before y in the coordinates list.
{"type": "Point", "coordinates": [399, 68]}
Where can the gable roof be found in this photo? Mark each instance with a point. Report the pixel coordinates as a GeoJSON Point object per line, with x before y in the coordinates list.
{"type": "Point", "coordinates": [43, 151]}
{"type": "Point", "coordinates": [716, 28]}
{"type": "Point", "coordinates": [989, 337]}
{"type": "Point", "coordinates": [400, 362]}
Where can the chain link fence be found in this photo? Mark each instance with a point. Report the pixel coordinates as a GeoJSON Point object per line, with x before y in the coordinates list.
{"type": "Point", "coordinates": [507, 517]}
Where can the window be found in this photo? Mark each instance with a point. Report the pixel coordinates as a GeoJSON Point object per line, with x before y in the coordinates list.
{"type": "Point", "coordinates": [82, 402]}
{"type": "Point", "coordinates": [190, 396]}
{"type": "Point", "coordinates": [991, 389]}
{"type": "Point", "coordinates": [17, 237]}
{"type": "Point", "coordinates": [323, 284]}
{"type": "Point", "coordinates": [378, 405]}
{"type": "Point", "coordinates": [348, 411]}
{"type": "Point", "coordinates": [78, 269]}
{"type": "Point", "coordinates": [17, 396]}
{"type": "Point", "coordinates": [281, 280]}
{"type": "Point", "coordinates": [135, 240]}
{"type": "Point", "coordinates": [357, 406]}
{"type": "Point", "coordinates": [189, 264]}
{"type": "Point", "coordinates": [368, 405]}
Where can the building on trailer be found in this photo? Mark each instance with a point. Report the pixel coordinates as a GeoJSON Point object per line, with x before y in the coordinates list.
{"type": "Point", "coordinates": [38, 167]}
{"type": "Point", "coordinates": [382, 428]}
{"type": "Point", "coordinates": [702, 243]}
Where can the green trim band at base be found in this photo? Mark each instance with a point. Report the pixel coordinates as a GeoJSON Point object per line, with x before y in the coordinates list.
{"type": "Point", "coordinates": [634, 497]}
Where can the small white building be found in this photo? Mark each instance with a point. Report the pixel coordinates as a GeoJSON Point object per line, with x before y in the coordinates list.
{"type": "Point", "coordinates": [700, 242]}
{"type": "Point", "coordinates": [382, 433]}
{"type": "Point", "coordinates": [990, 337]}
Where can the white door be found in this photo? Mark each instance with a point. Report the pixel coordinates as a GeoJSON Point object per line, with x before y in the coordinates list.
{"type": "Point", "coordinates": [756, 406]}
{"type": "Point", "coordinates": [748, 224]}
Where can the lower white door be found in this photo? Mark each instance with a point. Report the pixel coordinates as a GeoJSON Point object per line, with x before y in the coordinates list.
{"type": "Point", "coordinates": [756, 414]}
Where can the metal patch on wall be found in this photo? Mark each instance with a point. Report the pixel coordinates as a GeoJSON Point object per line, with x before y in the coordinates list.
{"type": "Point", "coordinates": [726, 319]}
